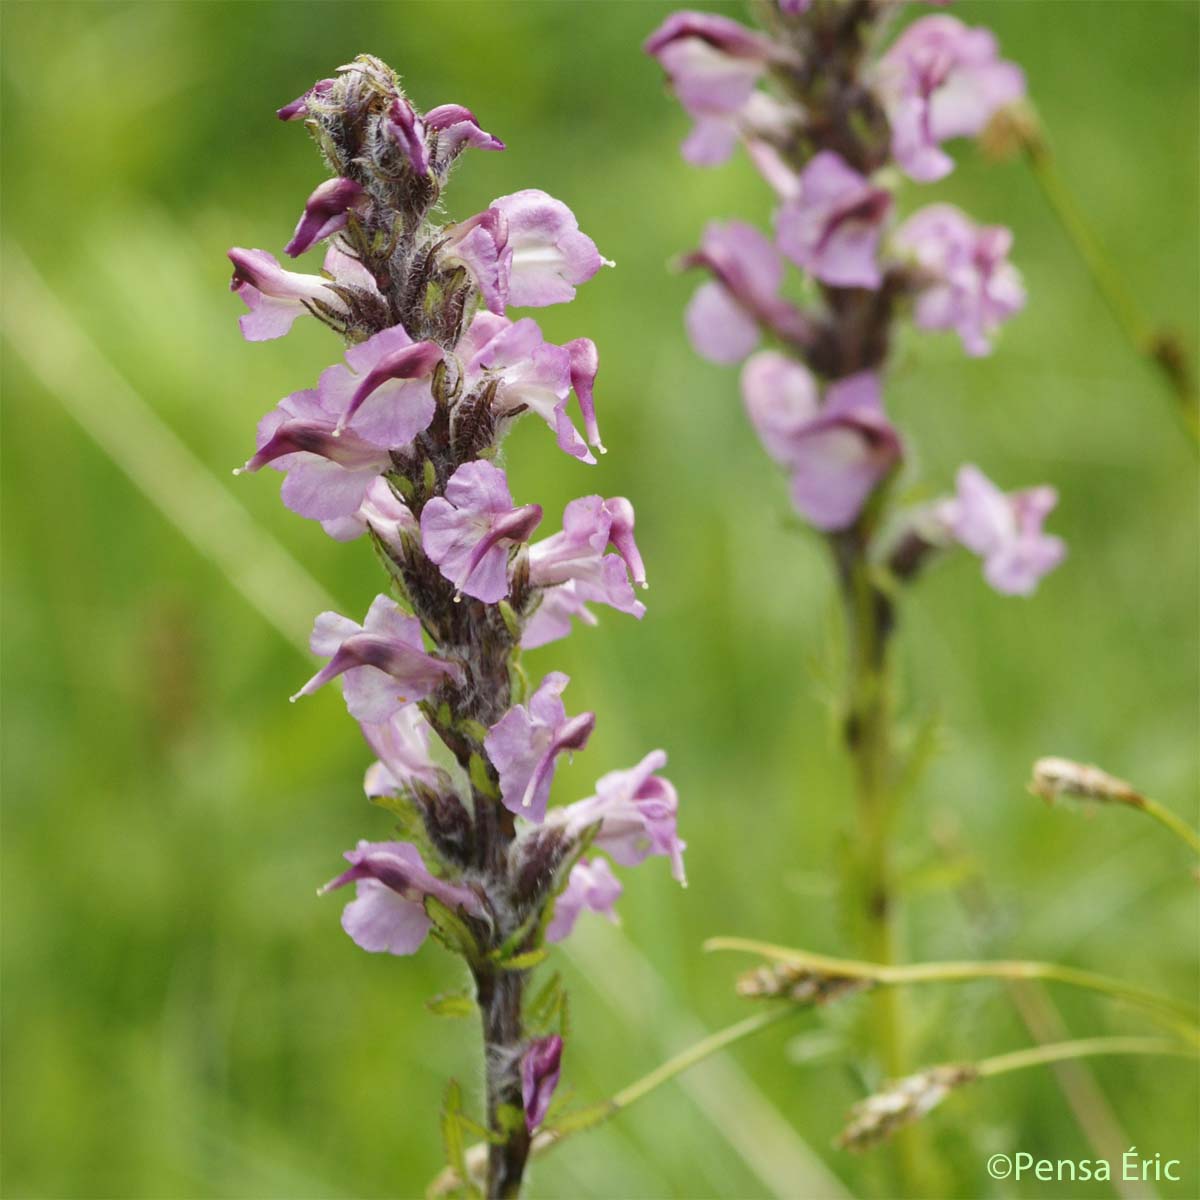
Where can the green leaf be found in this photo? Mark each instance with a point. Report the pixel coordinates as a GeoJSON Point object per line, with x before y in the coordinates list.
{"type": "Point", "coordinates": [526, 961]}
{"type": "Point", "coordinates": [452, 1133]}
{"type": "Point", "coordinates": [402, 484]}
{"type": "Point", "coordinates": [430, 477]}
{"type": "Point", "coordinates": [452, 1004]}
{"type": "Point", "coordinates": [475, 730]}
{"type": "Point", "coordinates": [583, 1118]}
{"type": "Point", "coordinates": [452, 930]}
{"type": "Point", "coordinates": [542, 1006]}
{"type": "Point", "coordinates": [510, 619]}
{"type": "Point", "coordinates": [481, 781]}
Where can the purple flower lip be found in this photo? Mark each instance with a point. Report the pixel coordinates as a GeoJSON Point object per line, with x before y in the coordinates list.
{"type": "Point", "coordinates": [516, 526]}
{"type": "Point", "coordinates": [571, 735]}
{"type": "Point", "coordinates": [404, 663]}
{"type": "Point", "coordinates": [410, 362]}
{"type": "Point", "coordinates": [450, 116]}
{"type": "Point", "coordinates": [325, 212]}
{"type": "Point", "coordinates": [719, 32]}
{"type": "Point", "coordinates": [299, 106]}
{"type": "Point", "coordinates": [405, 127]}
{"type": "Point", "coordinates": [540, 1069]}
{"type": "Point", "coordinates": [312, 437]}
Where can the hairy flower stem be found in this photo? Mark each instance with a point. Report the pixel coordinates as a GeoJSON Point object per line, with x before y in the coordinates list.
{"type": "Point", "coordinates": [499, 995]}
{"type": "Point", "coordinates": [546, 1139]}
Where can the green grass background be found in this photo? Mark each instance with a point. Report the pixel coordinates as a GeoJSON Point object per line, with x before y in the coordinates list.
{"type": "Point", "coordinates": [182, 1017]}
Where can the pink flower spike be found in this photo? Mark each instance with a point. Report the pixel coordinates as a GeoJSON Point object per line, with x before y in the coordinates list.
{"type": "Point", "coordinates": [384, 661]}
{"type": "Point", "coordinates": [325, 212]}
{"type": "Point", "coordinates": [591, 885]}
{"type": "Point", "coordinates": [524, 744]}
{"type": "Point", "coordinates": [469, 531]}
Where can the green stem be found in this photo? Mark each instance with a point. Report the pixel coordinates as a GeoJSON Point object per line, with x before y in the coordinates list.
{"type": "Point", "coordinates": [476, 1157]}
{"type": "Point", "coordinates": [889, 975]}
{"type": "Point", "coordinates": [1172, 821]}
{"type": "Point", "coordinates": [1161, 348]}
{"type": "Point", "coordinates": [871, 889]}
{"type": "Point", "coordinates": [1036, 1056]}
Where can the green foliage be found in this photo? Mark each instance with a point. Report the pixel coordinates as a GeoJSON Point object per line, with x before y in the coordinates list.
{"type": "Point", "coordinates": [184, 1020]}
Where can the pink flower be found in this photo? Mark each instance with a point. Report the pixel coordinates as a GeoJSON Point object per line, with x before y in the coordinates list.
{"type": "Point", "coordinates": [551, 619]}
{"type": "Point", "coordinates": [578, 554]}
{"type": "Point", "coordinates": [402, 744]}
{"type": "Point", "coordinates": [942, 80]}
{"type": "Point", "coordinates": [1005, 531]}
{"type": "Point", "coordinates": [299, 107]}
{"type": "Point", "coordinates": [328, 475]}
{"type": "Point", "coordinates": [384, 661]}
{"type": "Point", "coordinates": [456, 129]}
{"type": "Point", "coordinates": [480, 244]}
{"type": "Point", "coordinates": [636, 810]}
{"type": "Point", "coordinates": [713, 65]}
{"type": "Point", "coordinates": [405, 127]}
{"type": "Point", "coordinates": [468, 532]}
{"type": "Point", "coordinates": [550, 254]}
{"type": "Point", "coordinates": [540, 1067]}
{"type": "Point", "coordinates": [387, 914]}
{"type": "Point", "coordinates": [325, 212]}
{"type": "Point", "coordinates": [526, 250]}
{"type": "Point", "coordinates": [384, 392]}
{"type": "Point", "coordinates": [277, 297]}
{"type": "Point", "coordinates": [967, 283]}
{"type": "Point", "coordinates": [832, 226]}
{"type": "Point", "coordinates": [726, 314]}
{"type": "Point", "coordinates": [591, 885]}
{"type": "Point", "coordinates": [381, 511]}
{"type": "Point", "coordinates": [530, 373]}
{"type": "Point", "coordinates": [837, 452]}
{"type": "Point", "coordinates": [524, 744]}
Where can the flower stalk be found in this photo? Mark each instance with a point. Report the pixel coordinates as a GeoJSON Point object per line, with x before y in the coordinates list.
{"type": "Point", "coordinates": [546, 1139]}
{"type": "Point", "coordinates": [891, 975]}
{"type": "Point", "coordinates": [905, 1101]}
{"type": "Point", "coordinates": [1058, 778]}
{"type": "Point", "coordinates": [401, 441]}
{"type": "Point", "coordinates": [832, 117]}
